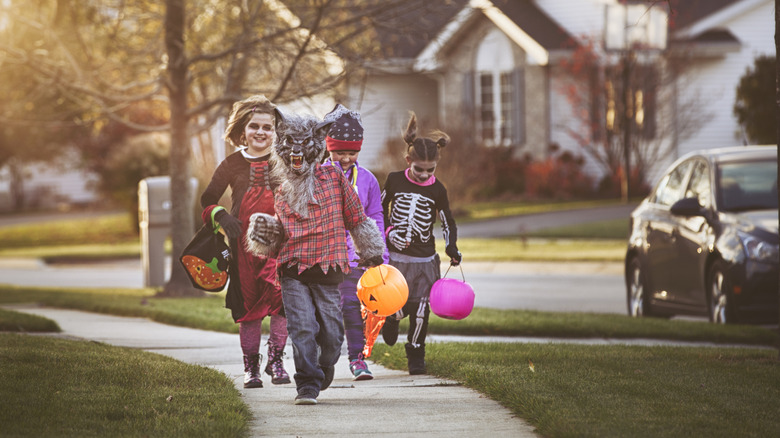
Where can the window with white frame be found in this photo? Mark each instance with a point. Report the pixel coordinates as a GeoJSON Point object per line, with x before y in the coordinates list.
{"type": "Point", "coordinates": [495, 90]}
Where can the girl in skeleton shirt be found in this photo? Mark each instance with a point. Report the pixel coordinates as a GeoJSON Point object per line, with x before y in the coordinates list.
{"type": "Point", "coordinates": [411, 201]}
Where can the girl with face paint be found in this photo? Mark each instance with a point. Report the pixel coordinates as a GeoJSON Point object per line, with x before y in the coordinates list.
{"type": "Point", "coordinates": [253, 292]}
{"type": "Point", "coordinates": [412, 199]}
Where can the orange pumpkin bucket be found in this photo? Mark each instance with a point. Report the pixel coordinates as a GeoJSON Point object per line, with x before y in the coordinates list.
{"type": "Point", "coordinates": [382, 290]}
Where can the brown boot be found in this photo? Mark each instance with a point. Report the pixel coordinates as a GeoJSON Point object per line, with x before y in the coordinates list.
{"type": "Point", "coordinates": [252, 371]}
{"type": "Point", "coordinates": [275, 366]}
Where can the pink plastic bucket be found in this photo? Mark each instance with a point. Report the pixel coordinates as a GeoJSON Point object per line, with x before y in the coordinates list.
{"type": "Point", "coordinates": [451, 298]}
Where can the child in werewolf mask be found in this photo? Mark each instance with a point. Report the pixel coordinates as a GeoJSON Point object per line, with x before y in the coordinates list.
{"type": "Point", "coordinates": [314, 204]}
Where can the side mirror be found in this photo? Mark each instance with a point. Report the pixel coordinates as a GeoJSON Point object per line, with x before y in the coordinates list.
{"type": "Point", "coordinates": [688, 207]}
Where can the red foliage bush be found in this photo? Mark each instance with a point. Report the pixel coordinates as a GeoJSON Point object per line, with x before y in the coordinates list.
{"type": "Point", "coordinates": [559, 176]}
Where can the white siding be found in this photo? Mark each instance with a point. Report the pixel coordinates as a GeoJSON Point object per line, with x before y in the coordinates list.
{"type": "Point", "coordinates": [48, 187]}
{"type": "Point", "coordinates": [578, 17]}
{"type": "Point", "coordinates": [563, 121]}
{"type": "Point", "coordinates": [385, 106]}
{"type": "Point", "coordinates": [716, 80]}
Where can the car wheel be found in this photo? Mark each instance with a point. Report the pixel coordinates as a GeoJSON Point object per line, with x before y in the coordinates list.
{"type": "Point", "coordinates": [636, 297]}
{"type": "Point", "coordinates": [720, 307]}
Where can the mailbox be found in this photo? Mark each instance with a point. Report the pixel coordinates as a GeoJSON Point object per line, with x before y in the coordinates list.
{"type": "Point", "coordinates": [154, 219]}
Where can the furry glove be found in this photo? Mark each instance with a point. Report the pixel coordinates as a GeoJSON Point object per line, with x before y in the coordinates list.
{"type": "Point", "coordinates": [369, 243]}
{"type": "Point", "coordinates": [230, 224]}
{"type": "Point", "coordinates": [264, 235]}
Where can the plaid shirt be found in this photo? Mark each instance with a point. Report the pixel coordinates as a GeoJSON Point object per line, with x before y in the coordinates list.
{"type": "Point", "coordinates": [320, 238]}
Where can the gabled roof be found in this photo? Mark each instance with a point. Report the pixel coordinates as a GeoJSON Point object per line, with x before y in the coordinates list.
{"type": "Point", "coordinates": [698, 27]}
{"type": "Point", "coordinates": [711, 43]}
{"type": "Point", "coordinates": [687, 12]}
{"type": "Point", "coordinates": [693, 17]}
{"type": "Point", "coordinates": [521, 20]}
{"type": "Point", "coordinates": [543, 29]}
{"type": "Point", "coordinates": [422, 21]}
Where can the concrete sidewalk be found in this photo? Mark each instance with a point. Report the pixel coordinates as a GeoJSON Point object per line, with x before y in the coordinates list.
{"type": "Point", "coordinates": [392, 404]}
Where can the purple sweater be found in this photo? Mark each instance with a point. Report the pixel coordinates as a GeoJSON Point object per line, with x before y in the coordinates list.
{"type": "Point", "coordinates": [371, 197]}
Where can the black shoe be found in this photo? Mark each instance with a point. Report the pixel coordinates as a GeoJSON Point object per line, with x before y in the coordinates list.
{"type": "Point", "coordinates": [415, 359]}
{"type": "Point", "coordinates": [326, 381]}
{"type": "Point", "coordinates": [390, 331]}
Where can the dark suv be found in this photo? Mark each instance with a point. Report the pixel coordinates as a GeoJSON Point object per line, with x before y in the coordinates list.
{"type": "Point", "coordinates": [705, 241]}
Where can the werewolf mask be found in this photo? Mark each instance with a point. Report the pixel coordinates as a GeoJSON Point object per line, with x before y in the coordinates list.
{"type": "Point", "coordinates": [300, 141]}
{"type": "Point", "coordinates": [297, 151]}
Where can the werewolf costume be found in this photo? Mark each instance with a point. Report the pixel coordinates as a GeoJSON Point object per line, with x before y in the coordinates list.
{"type": "Point", "coordinates": [314, 205]}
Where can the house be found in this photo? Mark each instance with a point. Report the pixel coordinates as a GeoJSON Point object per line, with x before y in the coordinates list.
{"type": "Point", "coordinates": [49, 187]}
{"type": "Point", "coordinates": [495, 65]}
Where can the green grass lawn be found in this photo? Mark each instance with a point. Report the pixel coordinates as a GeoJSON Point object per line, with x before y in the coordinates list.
{"type": "Point", "coordinates": [63, 388]}
{"type": "Point", "coordinates": [209, 314]}
{"type": "Point", "coordinates": [573, 390]}
{"type": "Point", "coordinates": [564, 390]}
{"type": "Point", "coordinates": [113, 236]}
{"type": "Point", "coordinates": [11, 321]}
{"type": "Point", "coordinates": [616, 391]}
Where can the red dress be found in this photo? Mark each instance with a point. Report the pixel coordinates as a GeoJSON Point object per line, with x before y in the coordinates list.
{"type": "Point", "coordinates": [259, 283]}
{"type": "Point", "coordinates": [254, 291]}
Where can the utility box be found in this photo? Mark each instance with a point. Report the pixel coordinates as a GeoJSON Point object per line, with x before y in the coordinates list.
{"type": "Point", "coordinates": [154, 219]}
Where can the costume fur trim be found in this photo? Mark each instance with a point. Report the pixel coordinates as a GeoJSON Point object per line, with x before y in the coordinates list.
{"type": "Point", "coordinates": [368, 239]}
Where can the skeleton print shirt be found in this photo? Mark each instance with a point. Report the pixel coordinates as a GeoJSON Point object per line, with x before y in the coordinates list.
{"type": "Point", "coordinates": [410, 211]}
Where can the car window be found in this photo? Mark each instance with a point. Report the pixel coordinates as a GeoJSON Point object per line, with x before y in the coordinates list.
{"type": "Point", "coordinates": [748, 185]}
{"type": "Point", "coordinates": [699, 184]}
{"type": "Point", "coordinates": [670, 189]}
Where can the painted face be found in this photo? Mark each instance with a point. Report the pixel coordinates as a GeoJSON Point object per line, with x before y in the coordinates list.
{"type": "Point", "coordinates": [345, 158]}
{"type": "Point", "coordinates": [421, 171]}
{"type": "Point", "coordinates": [259, 134]}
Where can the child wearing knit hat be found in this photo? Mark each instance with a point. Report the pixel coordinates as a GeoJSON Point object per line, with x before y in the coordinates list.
{"type": "Point", "coordinates": [344, 142]}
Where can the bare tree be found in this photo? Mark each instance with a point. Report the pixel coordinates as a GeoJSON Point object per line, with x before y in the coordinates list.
{"type": "Point", "coordinates": [189, 61]}
{"type": "Point", "coordinates": [607, 103]}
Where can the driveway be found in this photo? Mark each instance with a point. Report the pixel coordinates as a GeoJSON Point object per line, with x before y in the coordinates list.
{"type": "Point", "coordinates": [514, 225]}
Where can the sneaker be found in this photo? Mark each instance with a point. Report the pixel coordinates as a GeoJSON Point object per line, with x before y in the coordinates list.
{"type": "Point", "coordinates": [326, 381]}
{"type": "Point", "coordinates": [390, 331]}
{"type": "Point", "coordinates": [306, 397]}
{"type": "Point", "coordinates": [360, 370]}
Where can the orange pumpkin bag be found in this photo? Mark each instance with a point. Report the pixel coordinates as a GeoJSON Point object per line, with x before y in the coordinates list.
{"type": "Point", "coordinates": [206, 259]}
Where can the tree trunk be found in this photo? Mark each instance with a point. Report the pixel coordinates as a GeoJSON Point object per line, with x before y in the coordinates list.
{"type": "Point", "coordinates": [16, 184]}
{"type": "Point", "coordinates": [182, 220]}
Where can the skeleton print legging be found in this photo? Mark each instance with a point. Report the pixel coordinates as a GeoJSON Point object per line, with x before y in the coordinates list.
{"type": "Point", "coordinates": [419, 276]}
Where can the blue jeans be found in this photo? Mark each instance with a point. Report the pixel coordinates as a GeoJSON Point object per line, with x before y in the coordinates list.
{"type": "Point", "coordinates": [315, 328]}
